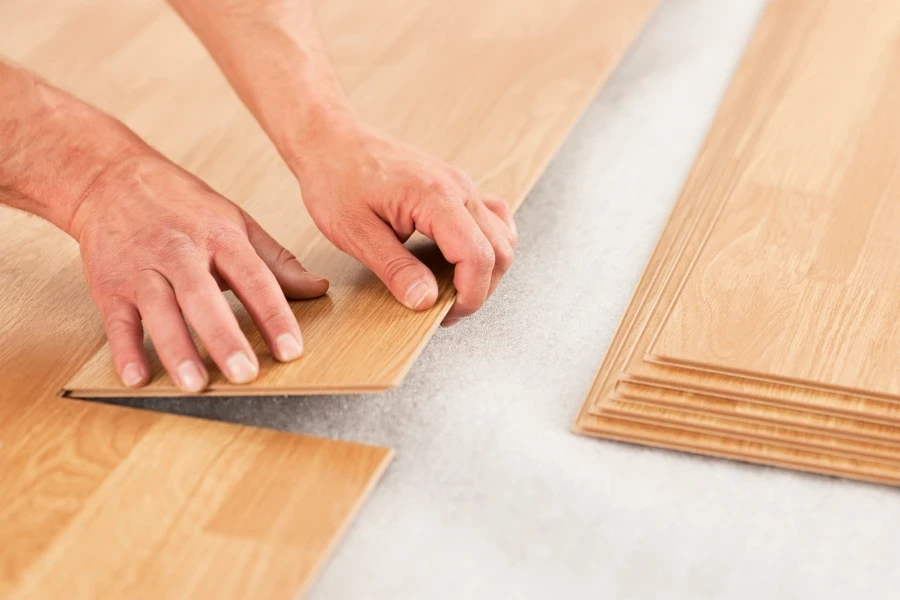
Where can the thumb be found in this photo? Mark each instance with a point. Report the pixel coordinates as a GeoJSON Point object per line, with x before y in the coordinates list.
{"type": "Point", "coordinates": [296, 282]}
{"type": "Point", "coordinates": [376, 245]}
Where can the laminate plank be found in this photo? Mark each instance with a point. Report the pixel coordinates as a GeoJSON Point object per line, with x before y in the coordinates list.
{"type": "Point", "coordinates": [750, 451]}
{"type": "Point", "coordinates": [512, 104]}
{"type": "Point", "coordinates": [698, 206]}
{"type": "Point", "coordinates": [758, 412]}
{"type": "Point", "coordinates": [797, 280]}
{"type": "Point", "coordinates": [235, 512]}
{"type": "Point", "coordinates": [686, 418]}
{"type": "Point", "coordinates": [759, 79]}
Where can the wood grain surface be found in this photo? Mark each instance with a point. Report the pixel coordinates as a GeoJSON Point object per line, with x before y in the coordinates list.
{"type": "Point", "coordinates": [767, 68]}
{"type": "Point", "coordinates": [493, 87]}
{"type": "Point", "coordinates": [798, 279]}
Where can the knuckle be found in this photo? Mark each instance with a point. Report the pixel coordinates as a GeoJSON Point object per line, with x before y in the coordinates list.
{"type": "Point", "coordinates": [463, 180]}
{"type": "Point", "coordinates": [226, 237]}
{"type": "Point", "coordinates": [107, 284]}
{"type": "Point", "coordinates": [483, 254]}
{"type": "Point", "coordinates": [499, 207]}
{"type": "Point", "coordinates": [513, 239]}
{"type": "Point", "coordinates": [194, 292]}
{"type": "Point", "coordinates": [222, 338]}
{"type": "Point", "coordinates": [395, 269]}
{"type": "Point", "coordinates": [441, 188]}
{"type": "Point", "coordinates": [175, 247]}
{"type": "Point", "coordinates": [152, 298]}
{"type": "Point", "coordinates": [255, 282]}
{"type": "Point", "coordinates": [273, 319]}
{"type": "Point", "coordinates": [117, 325]}
{"type": "Point", "coordinates": [284, 257]}
{"type": "Point", "coordinates": [504, 257]}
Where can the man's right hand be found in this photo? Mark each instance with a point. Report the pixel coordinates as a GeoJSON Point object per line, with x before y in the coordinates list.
{"type": "Point", "coordinates": [158, 247]}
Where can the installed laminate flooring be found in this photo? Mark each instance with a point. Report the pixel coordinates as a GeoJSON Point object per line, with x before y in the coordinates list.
{"type": "Point", "coordinates": [492, 87]}
{"type": "Point", "coordinates": [775, 57]}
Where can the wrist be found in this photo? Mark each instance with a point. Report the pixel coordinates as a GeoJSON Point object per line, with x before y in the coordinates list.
{"type": "Point", "coordinates": [54, 146]}
{"type": "Point", "coordinates": [314, 138]}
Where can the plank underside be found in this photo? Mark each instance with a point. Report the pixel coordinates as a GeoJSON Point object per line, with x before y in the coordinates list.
{"type": "Point", "coordinates": [513, 102]}
{"type": "Point", "coordinates": [636, 400]}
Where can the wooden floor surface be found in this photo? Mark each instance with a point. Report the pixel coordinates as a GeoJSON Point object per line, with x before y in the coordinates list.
{"type": "Point", "coordinates": [799, 277]}
{"type": "Point", "coordinates": [489, 86]}
{"type": "Point", "coordinates": [630, 408]}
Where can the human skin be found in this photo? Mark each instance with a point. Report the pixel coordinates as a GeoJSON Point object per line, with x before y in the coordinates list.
{"type": "Point", "coordinates": [159, 246]}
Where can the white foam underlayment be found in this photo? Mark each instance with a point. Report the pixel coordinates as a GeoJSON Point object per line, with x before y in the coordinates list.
{"type": "Point", "coordinates": [490, 495]}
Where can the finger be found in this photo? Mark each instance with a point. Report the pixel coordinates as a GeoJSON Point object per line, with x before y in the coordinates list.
{"type": "Point", "coordinates": [376, 245]}
{"type": "Point", "coordinates": [206, 309]}
{"type": "Point", "coordinates": [296, 282]}
{"type": "Point", "coordinates": [256, 287]}
{"type": "Point", "coordinates": [126, 342]}
{"type": "Point", "coordinates": [498, 235]}
{"type": "Point", "coordinates": [462, 243]}
{"type": "Point", "coordinates": [165, 324]}
{"type": "Point", "coordinates": [500, 208]}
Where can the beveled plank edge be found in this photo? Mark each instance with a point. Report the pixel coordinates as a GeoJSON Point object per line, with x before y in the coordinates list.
{"type": "Point", "coordinates": [340, 532]}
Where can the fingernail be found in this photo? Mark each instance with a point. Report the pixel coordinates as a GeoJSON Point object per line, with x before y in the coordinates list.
{"type": "Point", "coordinates": [450, 322]}
{"type": "Point", "coordinates": [133, 375]}
{"type": "Point", "coordinates": [314, 278]}
{"type": "Point", "coordinates": [512, 225]}
{"type": "Point", "coordinates": [288, 347]}
{"type": "Point", "coordinates": [239, 368]}
{"type": "Point", "coordinates": [416, 294]}
{"type": "Point", "coordinates": [190, 377]}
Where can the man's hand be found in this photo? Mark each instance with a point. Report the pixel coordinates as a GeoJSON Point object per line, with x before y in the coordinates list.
{"type": "Point", "coordinates": [368, 193]}
{"type": "Point", "coordinates": [159, 245]}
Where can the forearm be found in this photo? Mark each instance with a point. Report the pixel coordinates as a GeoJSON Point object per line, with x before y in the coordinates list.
{"type": "Point", "coordinates": [273, 55]}
{"type": "Point", "coordinates": [52, 146]}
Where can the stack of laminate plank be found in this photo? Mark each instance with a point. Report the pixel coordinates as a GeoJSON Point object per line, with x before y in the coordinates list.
{"type": "Point", "coordinates": [766, 327]}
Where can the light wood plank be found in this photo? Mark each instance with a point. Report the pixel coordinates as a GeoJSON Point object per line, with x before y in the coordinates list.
{"type": "Point", "coordinates": [759, 412]}
{"type": "Point", "coordinates": [207, 507]}
{"type": "Point", "coordinates": [797, 281]}
{"type": "Point", "coordinates": [686, 418]}
{"type": "Point", "coordinates": [767, 67]}
{"type": "Point", "coordinates": [519, 78]}
{"type": "Point", "coordinates": [734, 448]}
